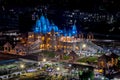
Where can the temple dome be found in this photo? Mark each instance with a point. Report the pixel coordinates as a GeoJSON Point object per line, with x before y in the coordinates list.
{"type": "Point", "coordinates": [54, 27]}
{"type": "Point", "coordinates": [74, 30]}
{"type": "Point", "coordinates": [43, 26]}
{"type": "Point", "coordinates": [43, 20]}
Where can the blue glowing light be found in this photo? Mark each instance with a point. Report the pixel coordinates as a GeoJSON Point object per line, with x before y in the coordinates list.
{"type": "Point", "coordinates": [47, 22]}
{"type": "Point", "coordinates": [54, 27]}
{"type": "Point", "coordinates": [43, 26]}
{"type": "Point", "coordinates": [48, 25]}
{"type": "Point", "coordinates": [74, 30]}
{"type": "Point", "coordinates": [44, 30]}
{"type": "Point", "coordinates": [43, 20]}
{"type": "Point", "coordinates": [64, 32]}
{"type": "Point", "coordinates": [69, 33]}
{"type": "Point", "coordinates": [38, 23]}
{"type": "Point", "coordinates": [60, 31]}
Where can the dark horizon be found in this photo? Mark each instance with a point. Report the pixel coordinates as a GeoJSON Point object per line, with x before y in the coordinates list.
{"type": "Point", "coordinates": [108, 5]}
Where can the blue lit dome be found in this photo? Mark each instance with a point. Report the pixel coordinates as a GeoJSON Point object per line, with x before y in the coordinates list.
{"type": "Point", "coordinates": [36, 30]}
{"type": "Point", "coordinates": [48, 25]}
{"type": "Point", "coordinates": [74, 30]}
{"type": "Point", "coordinates": [44, 29]}
{"type": "Point", "coordinates": [43, 25]}
{"type": "Point", "coordinates": [38, 23]}
{"type": "Point", "coordinates": [54, 27]}
{"type": "Point", "coordinates": [60, 31]}
{"type": "Point", "coordinates": [47, 22]}
{"type": "Point", "coordinates": [69, 33]}
{"type": "Point", "coordinates": [64, 32]}
{"type": "Point", "coordinates": [43, 20]}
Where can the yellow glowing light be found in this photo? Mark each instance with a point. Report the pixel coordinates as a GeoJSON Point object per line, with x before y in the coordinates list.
{"type": "Point", "coordinates": [22, 66]}
{"type": "Point", "coordinates": [42, 38]}
{"type": "Point", "coordinates": [58, 68]}
{"type": "Point", "coordinates": [44, 60]}
{"type": "Point", "coordinates": [84, 45]}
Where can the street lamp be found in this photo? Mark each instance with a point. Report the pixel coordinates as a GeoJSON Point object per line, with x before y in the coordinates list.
{"type": "Point", "coordinates": [44, 60]}
{"type": "Point", "coordinates": [58, 68]}
{"type": "Point", "coordinates": [84, 45]}
{"type": "Point", "coordinates": [22, 66]}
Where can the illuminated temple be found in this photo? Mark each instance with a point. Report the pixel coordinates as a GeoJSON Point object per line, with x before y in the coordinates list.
{"type": "Point", "coordinates": [44, 26]}
{"type": "Point", "coordinates": [52, 38]}
{"type": "Point", "coordinates": [47, 36]}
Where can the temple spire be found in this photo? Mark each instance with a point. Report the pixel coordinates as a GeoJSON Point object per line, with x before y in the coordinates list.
{"type": "Point", "coordinates": [75, 22]}
{"type": "Point", "coordinates": [74, 29]}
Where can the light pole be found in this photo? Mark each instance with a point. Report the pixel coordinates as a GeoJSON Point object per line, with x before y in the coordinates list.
{"type": "Point", "coordinates": [83, 47]}
{"type": "Point", "coordinates": [43, 61]}
{"type": "Point", "coordinates": [22, 66]}
{"type": "Point", "coordinates": [58, 69]}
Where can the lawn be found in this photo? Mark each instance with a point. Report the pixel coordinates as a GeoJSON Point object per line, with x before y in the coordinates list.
{"type": "Point", "coordinates": [88, 59]}
{"type": "Point", "coordinates": [49, 54]}
{"type": "Point", "coordinates": [66, 57]}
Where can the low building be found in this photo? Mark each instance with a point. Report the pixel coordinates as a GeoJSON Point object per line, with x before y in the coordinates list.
{"type": "Point", "coordinates": [108, 61]}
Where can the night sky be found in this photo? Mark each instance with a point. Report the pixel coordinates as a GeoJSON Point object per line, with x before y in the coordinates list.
{"type": "Point", "coordinates": [109, 5]}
